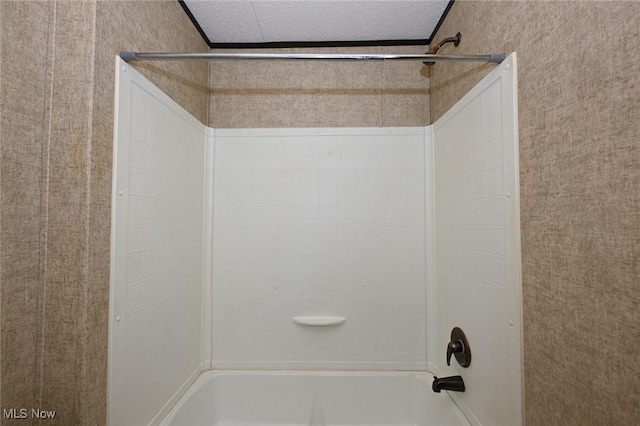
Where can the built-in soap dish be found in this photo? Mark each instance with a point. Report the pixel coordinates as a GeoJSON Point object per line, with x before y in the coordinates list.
{"type": "Point", "coordinates": [317, 321]}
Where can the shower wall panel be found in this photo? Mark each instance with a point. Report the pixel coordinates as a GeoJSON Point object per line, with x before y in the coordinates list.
{"type": "Point", "coordinates": [157, 250]}
{"type": "Point", "coordinates": [319, 222]}
{"type": "Point", "coordinates": [477, 247]}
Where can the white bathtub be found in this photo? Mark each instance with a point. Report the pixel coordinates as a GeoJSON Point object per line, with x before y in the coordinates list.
{"type": "Point", "coordinates": [279, 398]}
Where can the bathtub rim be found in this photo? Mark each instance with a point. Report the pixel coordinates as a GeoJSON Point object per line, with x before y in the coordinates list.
{"type": "Point", "coordinates": [207, 375]}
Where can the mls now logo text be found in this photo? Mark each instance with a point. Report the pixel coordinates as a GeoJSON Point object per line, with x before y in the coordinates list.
{"type": "Point", "coordinates": [23, 413]}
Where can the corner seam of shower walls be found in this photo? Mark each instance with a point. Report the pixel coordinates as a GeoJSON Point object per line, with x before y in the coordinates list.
{"type": "Point", "coordinates": [41, 292]}
{"type": "Point", "coordinates": [207, 266]}
{"type": "Point", "coordinates": [430, 236]}
{"type": "Point", "coordinates": [207, 343]}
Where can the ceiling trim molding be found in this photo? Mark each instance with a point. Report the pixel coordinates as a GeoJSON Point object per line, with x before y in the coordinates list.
{"type": "Point", "coordinates": [300, 44]}
{"type": "Point", "coordinates": [334, 43]}
{"type": "Point", "coordinates": [444, 15]}
{"type": "Point", "coordinates": [195, 22]}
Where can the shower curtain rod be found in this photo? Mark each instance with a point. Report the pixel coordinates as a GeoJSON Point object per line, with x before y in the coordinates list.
{"type": "Point", "coordinates": [495, 58]}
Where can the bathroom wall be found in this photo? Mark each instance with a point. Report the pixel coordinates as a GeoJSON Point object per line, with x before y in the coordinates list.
{"type": "Point", "coordinates": [55, 188]}
{"type": "Point", "coordinates": [22, 132]}
{"type": "Point", "coordinates": [326, 222]}
{"type": "Point", "coordinates": [319, 94]}
{"type": "Point", "coordinates": [579, 97]}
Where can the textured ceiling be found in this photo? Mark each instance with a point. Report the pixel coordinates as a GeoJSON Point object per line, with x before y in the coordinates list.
{"type": "Point", "coordinates": [266, 21]}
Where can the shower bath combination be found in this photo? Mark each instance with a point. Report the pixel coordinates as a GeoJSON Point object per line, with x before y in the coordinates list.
{"type": "Point", "coordinates": [203, 225]}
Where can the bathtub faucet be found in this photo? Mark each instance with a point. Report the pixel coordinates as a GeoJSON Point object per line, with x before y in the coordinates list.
{"type": "Point", "coordinates": [451, 383]}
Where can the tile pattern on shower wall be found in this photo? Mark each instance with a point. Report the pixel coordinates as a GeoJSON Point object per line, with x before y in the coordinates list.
{"type": "Point", "coordinates": [164, 223]}
{"type": "Point", "coordinates": [470, 250]}
{"type": "Point", "coordinates": [326, 222]}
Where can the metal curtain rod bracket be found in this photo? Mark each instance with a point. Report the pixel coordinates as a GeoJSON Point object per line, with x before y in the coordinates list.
{"type": "Point", "coordinates": [495, 58]}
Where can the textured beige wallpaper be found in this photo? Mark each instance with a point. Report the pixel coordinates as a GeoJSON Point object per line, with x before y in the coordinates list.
{"type": "Point", "coordinates": [22, 107]}
{"type": "Point", "coordinates": [319, 94]}
{"type": "Point", "coordinates": [579, 97]}
{"type": "Point", "coordinates": [55, 187]}
{"type": "Point", "coordinates": [63, 215]}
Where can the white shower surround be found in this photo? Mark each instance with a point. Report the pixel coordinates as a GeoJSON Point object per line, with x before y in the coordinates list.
{"type": "Point", "coordinates": [478, 404]}
{"type": "Point", "coordinates": [157, 251]}
{"type": "Point", "coordinates": [477, 237]}
{"type": "Point", "coordinates": [319, 222]}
